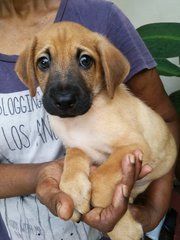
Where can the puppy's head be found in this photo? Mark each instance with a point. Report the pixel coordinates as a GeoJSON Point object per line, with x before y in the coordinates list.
{"type": "Point", "coordinates": [72, 65]}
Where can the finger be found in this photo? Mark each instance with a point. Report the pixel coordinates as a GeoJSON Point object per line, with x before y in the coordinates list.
{"type": "Point", "coordinates": [118, 206]}
{"type": "Point", "coordinates": [93, 218]}
{"type": "Point", "coordinates": [128, 173]}
{"type": "Point", "coordinates": [64, 206]}
{"type": "Point", "coordinates": [141, 171]}
{"type": "Point", "coordinates": [100, 219]}
{"type": "Point", "coordinates": [120, 200]}
{"type": "Point", "coordinates": [138, 162]}
{"type": "Point", "coordinates": [146, 169]}
{"type": "Point", "coordinates": [105, 219]}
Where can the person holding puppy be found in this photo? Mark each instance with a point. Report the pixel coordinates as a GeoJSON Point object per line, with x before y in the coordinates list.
{"type": "Point", "coordinates": [29, 146]}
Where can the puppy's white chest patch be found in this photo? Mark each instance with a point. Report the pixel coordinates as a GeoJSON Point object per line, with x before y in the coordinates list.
{"type": "Point", "coordinates": [82, 135]}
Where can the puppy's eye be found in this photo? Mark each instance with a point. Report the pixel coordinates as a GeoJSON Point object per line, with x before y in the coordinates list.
{"type": "Point", "coordinates": [85, 61]}
{"type": "Point", "coordinates": [43, 63]}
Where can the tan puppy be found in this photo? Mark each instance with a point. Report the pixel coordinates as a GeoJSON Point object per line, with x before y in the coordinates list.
{"type": "Point", "coordinates": [81, 74]}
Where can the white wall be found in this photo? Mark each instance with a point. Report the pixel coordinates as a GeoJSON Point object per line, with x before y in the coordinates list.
{"type": "Point", "coordinates": [141, 12]}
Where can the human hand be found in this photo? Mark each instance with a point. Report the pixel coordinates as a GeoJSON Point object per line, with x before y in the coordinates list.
{"type": "Point", "coordinates": [105, 219]}
{"type": "Point", "coordinates": [48, 192]}
{"type": "Point", "coordinates": [61, 205]}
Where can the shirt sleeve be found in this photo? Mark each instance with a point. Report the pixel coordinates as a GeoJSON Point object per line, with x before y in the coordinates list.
{"type": "Point", "coordinates": [124, 36]}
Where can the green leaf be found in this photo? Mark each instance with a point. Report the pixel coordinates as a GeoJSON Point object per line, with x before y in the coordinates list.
{"type": "Point", "coordinates": [166, 68]}
{"type": "Point", "coordinates": [175, 98]}
{"type": "Point", "coordinates": [162, 39]}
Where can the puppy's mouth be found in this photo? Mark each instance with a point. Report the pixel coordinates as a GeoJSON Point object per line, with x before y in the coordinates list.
{"type": "Point", "coordinates": [66, 101]}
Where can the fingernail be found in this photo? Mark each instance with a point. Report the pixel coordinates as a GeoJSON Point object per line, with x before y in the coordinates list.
{"type": "Point", "coordinates": [140, 156]}
{"type": "Point", "coordinates": [131, 159]}
{"type": "Point", "coordinates": [125, 191]}
{"type": "Point", "coordinates": [58, 208]}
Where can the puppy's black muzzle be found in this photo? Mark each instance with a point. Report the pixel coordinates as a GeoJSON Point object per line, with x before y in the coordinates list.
{"type": "Point", "coordinates": [66, 100]}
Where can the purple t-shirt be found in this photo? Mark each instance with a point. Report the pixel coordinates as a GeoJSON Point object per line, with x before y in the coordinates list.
{"type": "Point", "coordinates": [99, 16]}
{"type": "Point", "coordinates": [25, 133]}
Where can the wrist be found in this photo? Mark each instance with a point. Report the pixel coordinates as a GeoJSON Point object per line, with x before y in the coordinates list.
{"type": "Point", "coordinates": [18, 179]}
{"type": "Point", "coordinates": [35, 176]}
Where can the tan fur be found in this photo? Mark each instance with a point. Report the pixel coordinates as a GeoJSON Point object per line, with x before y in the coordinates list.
{"type": "Point", "coordinates": [116, 124]}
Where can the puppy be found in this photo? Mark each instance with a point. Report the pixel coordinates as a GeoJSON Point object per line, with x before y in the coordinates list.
{"type": "Point", "coordinates": [81, 73]}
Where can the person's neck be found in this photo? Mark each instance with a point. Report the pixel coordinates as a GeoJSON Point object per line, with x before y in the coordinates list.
{"type": "Point", "coordinates": [22, 8]}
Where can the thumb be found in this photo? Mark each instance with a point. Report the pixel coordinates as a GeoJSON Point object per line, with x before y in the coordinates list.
{"type": "Point", "coordinates": [64, 206]}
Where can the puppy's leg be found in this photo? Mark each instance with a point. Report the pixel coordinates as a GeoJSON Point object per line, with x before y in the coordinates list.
{"type": "Point", "coordinates": [127, 229]}
{"type": "Point", "coordinates": [104, 181]}
{"type": "Point", "coordinates": [105, 178]}
{"type": "Point", "coordinates": [75, 181]}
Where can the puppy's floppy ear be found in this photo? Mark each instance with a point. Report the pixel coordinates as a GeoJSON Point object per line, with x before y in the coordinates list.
{"type": "Point", "coordinates": [25, 67]}
{"type": "Point", "coordinates": [115, 66]}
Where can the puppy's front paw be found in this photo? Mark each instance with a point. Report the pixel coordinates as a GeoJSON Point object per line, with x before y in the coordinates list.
{"type": "Point", "coordinates": [76, 216]}
{"type": "Point", "coordinates": [102, 189]}
{"type": "Point", "coordinates": [78, 187]}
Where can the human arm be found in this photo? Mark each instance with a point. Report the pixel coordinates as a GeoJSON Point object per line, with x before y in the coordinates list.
{"type": "Point", "coordinates": [18, 179]}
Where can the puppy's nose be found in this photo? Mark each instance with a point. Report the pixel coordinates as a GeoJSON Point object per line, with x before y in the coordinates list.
{"type": "Point", "coordinates": [65, 100]}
